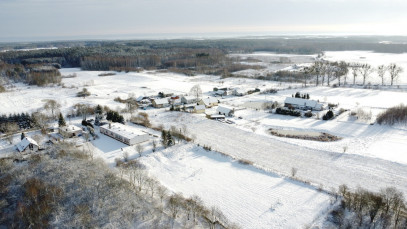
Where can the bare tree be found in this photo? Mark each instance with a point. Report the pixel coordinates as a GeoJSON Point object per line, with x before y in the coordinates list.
{"type": "Point", "coordinates": [196, 91]}
{"type": "Point", "coordinates": [317, 69]}
{"type": "Point", "coordinates": [381, 71]}
{"type": "Point", "coordinates": [139, 149]}
{"type": "Point", "coordinates": [151, 184]}
{"type": "Point", "coordinates": [394, 72]}
{"type": "Point", "coordinates": [162, 192]}
{"type": "Point", "coordinates": [342, 71]}
{"type": "Point", "coordinates": [52, 105]}
{"type": "Point", "coordinates": [154, 143]}
{"type": "Point", "coordinates": [174, 204]}
{"type": "Point", "coordinates": [365, 71]}
{"type": "Point", "coordinates": [131, 104]}
{"type": "Point", "coordinates": [41, 121]}
{"type": "Point", "coordinates": [355, 70]}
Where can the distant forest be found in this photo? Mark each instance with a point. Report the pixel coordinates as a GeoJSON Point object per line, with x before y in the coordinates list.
{"type": "Point", "coordinates": [184, 56]}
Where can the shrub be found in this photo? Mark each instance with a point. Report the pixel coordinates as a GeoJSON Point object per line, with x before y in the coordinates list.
{"type": "Point", "coordinates": [393, 115]}
{"type": "Point", "coordinates": [329, 115]}
{"type": "Point", "coordinates": [285, 111]}
{"type": "Point", "coordinates": [83, 93]}
{"type": "Point", "coordinates": [308, 114]}
{"type": "Point", "coordinates": [141, 119]}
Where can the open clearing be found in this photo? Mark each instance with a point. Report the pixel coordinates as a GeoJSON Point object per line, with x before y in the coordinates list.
{"type": "Point", "coordinates": [247, 196]}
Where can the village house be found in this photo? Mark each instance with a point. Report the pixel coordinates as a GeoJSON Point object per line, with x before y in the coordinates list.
{"type": "Point", "coordinates": [188, 99]}
{"type": "Point", "coordinates": [70, 131]}
{"type": "Point", "coordinates": [239, 92]}
{"type": "Point", "coordinates": [226, 111]}
{"type": "Point", "coordinates": [208, 102]}
{"type": "Point", "coordinates": [220, 93]}
{"type": "Point", "coordinates": [303, 104]}
{"type": "Point", "coordinates": [160, 103]}
{"type": "Point", "coordinates": [175, 100]}
{"type": "Point", "coordinates": [126, 134]}
{"type": "Point", "coordinates": [29, 143]}
{"type": "Point", "coordinates": [199, 109]}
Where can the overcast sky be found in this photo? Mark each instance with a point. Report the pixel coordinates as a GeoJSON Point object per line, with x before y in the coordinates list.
{"type": "Point", "coordinates": [76, 19]}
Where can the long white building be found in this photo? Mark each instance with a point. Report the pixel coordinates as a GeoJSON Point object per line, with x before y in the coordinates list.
{"type": "Point", "coordinates": [126, 134]}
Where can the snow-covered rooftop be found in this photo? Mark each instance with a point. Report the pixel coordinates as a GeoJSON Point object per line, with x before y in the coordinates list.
{"type": "Point", "coordinates": [301, 102]}
{"type": "Point", "coordinates": [123, 130]}
{"type": "Point", "coordinates": [25, 142]}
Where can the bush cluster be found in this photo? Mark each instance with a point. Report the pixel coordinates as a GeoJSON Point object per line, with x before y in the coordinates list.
{"type": "Point", "coordinates": [284, 111]}
{"type": "Point", "coordinates": [393, 115]}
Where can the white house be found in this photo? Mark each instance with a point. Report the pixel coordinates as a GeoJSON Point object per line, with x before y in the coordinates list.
{"type": "Point", "coordinates": [126, 134]}
{"type": "Point", "coordinates": [209, 102]}
{"type": "Point", "coordinates": [188, 99]}
{"type": "Point", "coordinates": [239, 92]}
{"type": "Point", "coordinates": [70, 131]}
{"type": "Point", "coordinates": [304, 104]}
{"type": "Point", "coordinates": [199, 109]}
{"type": "Point", "coordinates": [226, 111]}
{"type": "Point", "coordinates": [27, 142]}
{"type": "Point", "coordinates": [159, 103]}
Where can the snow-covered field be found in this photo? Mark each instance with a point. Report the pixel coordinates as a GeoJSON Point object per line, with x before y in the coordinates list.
{"type": "Point", "coordinates": [247, 196]}
{"type": "Point", "coordinates": [371, 156]}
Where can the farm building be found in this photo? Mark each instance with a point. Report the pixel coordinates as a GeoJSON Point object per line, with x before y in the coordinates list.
{"type": "Point", "coordinates": [160, 103]}
{"type": "Point", "coordinates": [199, 109]}
{"type": "Point", "coordinates": [220, 93]}
{"type": "Point", "coordinates": [226, 111]}
{"type": "Point", "coordinates": [127, 135]}
{"type": "Point", "coordinates": [29, 143]}
{"type": "Point", "coordinates": [188, 99]}
{"type": "Point", "coordinates": [208, 102]}
{"type": "Point", "coordinates": [175, 100]}
{"type": "Point", "coordinates": [304, 104]}
{"type": "Point", "coordinates": [70, 131]}
{"type": "Point", "coordinates": [239, 92]}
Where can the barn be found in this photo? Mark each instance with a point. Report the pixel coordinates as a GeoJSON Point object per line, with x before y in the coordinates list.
{"type": "Point", "coordinates": [126, 134]}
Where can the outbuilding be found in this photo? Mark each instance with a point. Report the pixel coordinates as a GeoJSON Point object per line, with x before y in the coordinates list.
{"type": "Point", "coordinates": [126, 134]}
{"type": "Point", "coordinates": [29, 143]}
{"type": "Point", "coordinates": [160, 103]}
{"type": "Point", "coordinates": [199, 109]}
{"type": "Point", "coordinates": [70, 131]}
{"type": "Point", "coordinates": [209, 102]}
{"type": "Point", "coordinates": [226, 111]}
{"type": "Point", "coordinates": [188, 99]}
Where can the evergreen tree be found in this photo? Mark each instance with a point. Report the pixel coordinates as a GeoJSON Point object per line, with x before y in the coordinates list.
{"type": "Point", "coordinates": [170, 140]}
{"type": "Point", "coordinates": [61, 120]}
{"type": "Point", "coordinates": [22, 135]}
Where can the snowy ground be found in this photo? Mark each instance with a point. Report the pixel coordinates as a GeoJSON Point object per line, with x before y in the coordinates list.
{"type": "Point", "coordinates": [375, 156]}
{"type": "Point", "coordinates": [247, 196]}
